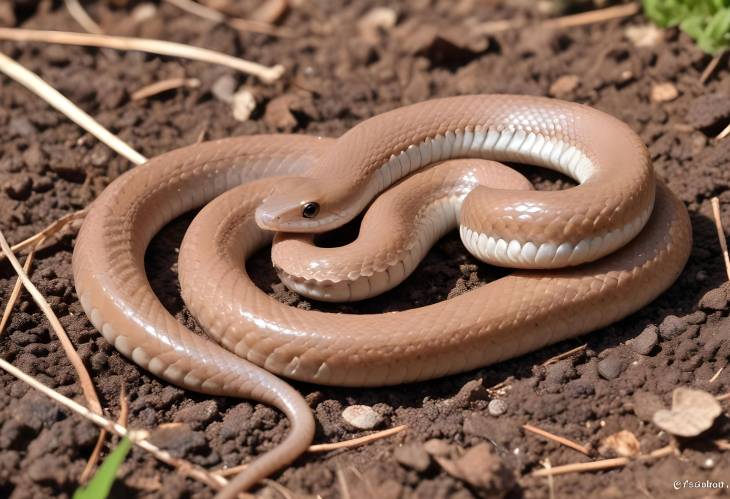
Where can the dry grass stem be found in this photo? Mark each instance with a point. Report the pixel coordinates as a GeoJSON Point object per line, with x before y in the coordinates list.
{"type": "Point", "coordinates": [725, 396]}
{"type": "Point", "coordinates": [564, 355]}
{"type": "Point", "coordinates": [87, 386]}
{"type": "Point", "coordinates": [722, 444]}
{"type": "Point", "coordinates": [47, 233]}
{"type": "Point", "coordinates": [94, 458]}
{"type": "Point", "coordinates": [342, 481]}
{"type": "Point", "coordinates": [711, 67]}
{"type": "Point", "coordinates": [346, 444]}
{"type": "Point", "coordinates": [138, 437]}
{"type": "Point", "coordinates": [49, 94]}
{"type": "Point", "coordinates": [725, 132]}
{"type": "Point", "coordinates": [239, 24]}
{"type": "Point", "coordinates": [122, 420]}
{"type": "Point", "coordinates": [582, 19]}
{"type": "Point", "coordinates": [721, 234]}
{"type": "Point", "coordinates": [356, 442]}
{"type": "Point", "coordinates": [17, 288]}
{"type": "Point", "coordinates": [603, 464]}
{"type": "Point", "coordinates": [80, 16]}
{"type": "Point", "coordinates": [712, 379]}
{"type": "Point", "coordinates": [556, 438]}
{"type": "Point", "coordinates": [161, 47]}
{"type": "Point", "coordinates": [594, 16]}
{"type": "Point", "coordinates": [163, 86]}
{"type": "Point", "coordinates": [550, 479]}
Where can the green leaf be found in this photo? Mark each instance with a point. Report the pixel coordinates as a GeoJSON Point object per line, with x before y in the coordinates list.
{"type": "Point", "coordinates": [101, 482]}
{"type": "Point", "coordinates": [707, 22]}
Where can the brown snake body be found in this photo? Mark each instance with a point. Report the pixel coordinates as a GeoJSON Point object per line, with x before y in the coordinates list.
{"type": "Point", "coordinates": [323, 183]}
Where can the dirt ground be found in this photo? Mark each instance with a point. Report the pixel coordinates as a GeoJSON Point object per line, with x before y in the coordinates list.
{"type": "Point", "coordinates": [341, 70]}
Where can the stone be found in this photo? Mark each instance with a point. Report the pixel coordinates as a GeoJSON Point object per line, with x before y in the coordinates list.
{"type": "Point", "coordinates": [198, 414]}
{"type": "Point", "coordinates": [646, 341]}
{"type": "Point", "coordinates": [672, 326]}
{"type": "Point", "coordinates": [646, 404]}
{"type": "Point", "coordinates": [362, 417]}
{"type": "Point", "coordinates": [610, 367]}
{"type": "Point", "coordinates": [497, 407]}
{"type": "Point", "coordinates": [664, 92]}
{"type": "Point", "coordinates": [563, 86]}
{"type": "Point", "coordinates": [482, 468]}
{"type": "Point", "coordinates": [413, 456]}
{"type": "Point", "coordinates": [715, 299]}
{"type": "Point", "coordinates": [223, 88]}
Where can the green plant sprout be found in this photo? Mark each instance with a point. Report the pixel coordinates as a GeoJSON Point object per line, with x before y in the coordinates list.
{"type": "Point", "coordinates": [707, 22]}
{"type": "Point", "coordinates": [102, 481]}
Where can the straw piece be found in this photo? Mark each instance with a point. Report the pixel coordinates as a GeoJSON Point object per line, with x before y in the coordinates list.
{"type": "Point", "coordinates": [163, 86]}
{"type": "Point", "coordinates": [87, 386]}
{"type": "Point", "coordinates": [721, 233]}
{"type": "Point", "coordinates": [49, 94]}
{"type": "Point", "coordinates": [80, 16]}
{"type": "Point", "coordinates": [161, 47]}
{"type": "Point", "coordinates": [556, 438]}
{"type": "Point", "coordinates": [137, 437]}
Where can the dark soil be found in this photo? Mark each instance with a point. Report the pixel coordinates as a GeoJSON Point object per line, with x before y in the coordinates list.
{"type": "Point", "coordinates": [339, 73]}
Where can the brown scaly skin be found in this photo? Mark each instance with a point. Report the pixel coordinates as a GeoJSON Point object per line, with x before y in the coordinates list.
{"type": "Point", "coordinates": [514, 315]}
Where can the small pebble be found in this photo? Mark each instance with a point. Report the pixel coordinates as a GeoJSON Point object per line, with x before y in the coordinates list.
{"type": "Point", "coordinates": [223, 88]}
{"type": "Point", "coordinates": [563, 86]}
{"type": "Point", "coordinates": [413, 456]}
{"type": "Point", "coordinates": [497, 407]}
{"type": "Point", "coordinates": [664, 92]}
{"type": "Point", "coordinates": [646, 341]}
{"type": "Point", "coordinates": [708, 464]}
{"type": "Point", "coordinates": [695, 318]}
{"type": "Point", "coordinates": [362, 417]}
{"type": "Point", "coordinates": [610, 367]}
{"type": "Point", "coordinates": [436, 447]}
{"type": "Point", "coordinates": [672, 326]}
{"type": "Point", "coordinates": [715, 299]}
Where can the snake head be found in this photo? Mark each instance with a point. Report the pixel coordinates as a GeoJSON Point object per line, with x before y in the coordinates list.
{"type": "Point", "coordinates": [298, 204]}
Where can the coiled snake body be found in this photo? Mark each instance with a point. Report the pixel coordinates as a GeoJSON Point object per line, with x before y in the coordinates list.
{"type": "Point", "coordinates": [320, 184]}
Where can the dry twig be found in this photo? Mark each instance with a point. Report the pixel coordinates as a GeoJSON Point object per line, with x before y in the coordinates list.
{"type": "Point", "coordinates": [721, 234]}
{"type": "Point", "coordinates": [82, 17]}
{"type": "Point", "coordinates": [711, 67]}
{"type": "Point", "coordinates": [47, 233]}
{"type": "Point", "coordinates": [237, 23]}
{"type": "Point", "coordinates": [264, 73]}
{"type": "Point", "coordinates": [137, 437]}
{"type": "Point", "coordinates": [712, 379]}
{"type": "Point", "coordinates": [345, 444]}
{"type": "Point", "coordinates": [163, 86]}
{"type": "Point", "coordinates": [18, 287]}
{"type": "Point", "coordinates": [556, 438]}
{"type": "Point", "coordinates": [594, 16]}
{"type": "Point", "coordinates": [582, 19]}
{"type": "Point", "coordinates": [356, 442]}
{"type": "Point", "coordinates": [87, 386]}
{"type": "Point", "coordinates": [564, 355]}
{"type": "Point", "coordinates": [122, 420]}
{"type": "Point", "coordinates": [603, 464]}
{"type": "Point", "coordinates": [49, 94]}
{"type": "Point", "coordinates": [725, 132]}
{"type": "Point", "coordinates": [725, 396]}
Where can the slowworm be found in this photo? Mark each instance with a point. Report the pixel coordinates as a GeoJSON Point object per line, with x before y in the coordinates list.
{"type": "Point", "coordinates": [605, 248]}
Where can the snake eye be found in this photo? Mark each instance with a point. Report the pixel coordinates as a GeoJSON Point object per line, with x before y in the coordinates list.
{"type": "Point", "coordinates": [310, 210]}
